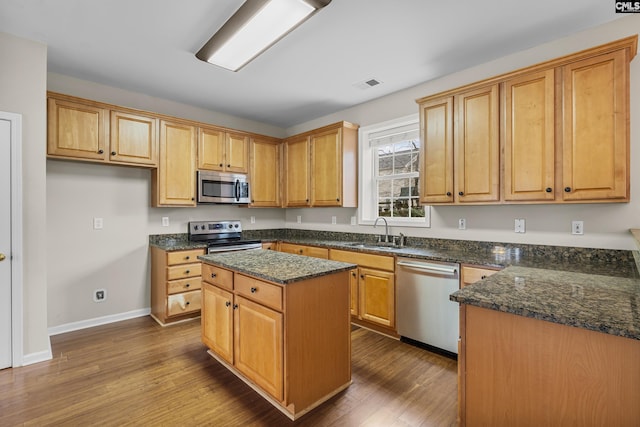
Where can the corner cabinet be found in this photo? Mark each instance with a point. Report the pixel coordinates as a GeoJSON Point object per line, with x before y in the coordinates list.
{"type": "Point", "coordinates": [264, 173]}
{"type": "Point", "coordinates": [173, 183]}
{"type": "Point", "coordinates": [562, 128]}
{"type": "Point", "coordinates": [321, 167]}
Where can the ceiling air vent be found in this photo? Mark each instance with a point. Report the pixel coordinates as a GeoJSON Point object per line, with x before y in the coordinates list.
{"type": "Point", "coordinates": [366, 84]}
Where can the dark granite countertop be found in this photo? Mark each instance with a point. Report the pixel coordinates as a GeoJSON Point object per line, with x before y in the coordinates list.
{"type": "Point", "coordinates": [275, 266]}
{"type": "Point", "coordinates": [174, 242]}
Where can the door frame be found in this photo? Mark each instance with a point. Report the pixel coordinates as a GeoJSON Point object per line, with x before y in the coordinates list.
{"type": "Point", "coordinates": [16, 258]}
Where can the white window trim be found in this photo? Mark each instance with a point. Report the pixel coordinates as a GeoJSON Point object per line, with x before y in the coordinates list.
{"type": "Point", "coordinates": [367, 206]}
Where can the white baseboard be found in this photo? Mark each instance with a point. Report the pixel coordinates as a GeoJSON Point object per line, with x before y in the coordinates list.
{"type": "Point", "coordinates": [89, 323]}
{"type": "Point", "coordinates": [41, 356]}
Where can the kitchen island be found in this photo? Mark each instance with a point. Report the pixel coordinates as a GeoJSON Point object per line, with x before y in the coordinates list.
{"type": "Point", "coordinates": [547, 347]}
{"type": "Point", "coordinates": [281, 323]}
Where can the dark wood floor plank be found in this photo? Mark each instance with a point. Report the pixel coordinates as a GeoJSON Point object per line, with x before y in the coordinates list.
{"type": "Point", "coordinates": [138, 373]}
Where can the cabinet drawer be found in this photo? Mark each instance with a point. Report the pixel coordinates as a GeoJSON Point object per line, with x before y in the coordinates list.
{"type": "Point", "coordinates": [259, 291]}
{"type": "Point", "coordinates": [379, 262]}
{"type": "Point", "coordinates": [183, 257]}
{"type": "Point", "coordinates": [184, 285]}
{"type": "Point", "coordinates": [217, 276]}
{"type": "Point", "coordinates": [183, 271]}
{"type": "Point", "coordinates": [474, 274]}
{"type": "Point", "coordinates": [185, 302]}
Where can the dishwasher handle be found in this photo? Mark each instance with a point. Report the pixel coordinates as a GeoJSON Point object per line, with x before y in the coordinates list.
{"type": "Point", "coordinates": [430, 268]}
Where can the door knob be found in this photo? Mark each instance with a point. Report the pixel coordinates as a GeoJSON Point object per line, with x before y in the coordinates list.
{"type": "Point", "coordinates": [2, 257]}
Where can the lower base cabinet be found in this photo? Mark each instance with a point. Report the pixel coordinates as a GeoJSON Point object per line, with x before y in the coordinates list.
{"type": "Point", "coordinates": [291, 343]}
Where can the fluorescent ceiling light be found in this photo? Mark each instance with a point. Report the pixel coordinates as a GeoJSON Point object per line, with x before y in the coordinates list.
{"type": "Point", "coordinates": [256, 26]}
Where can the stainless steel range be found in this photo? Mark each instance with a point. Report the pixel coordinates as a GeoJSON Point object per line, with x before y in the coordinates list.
{"type": "Point", "coordinates": [221, 236]}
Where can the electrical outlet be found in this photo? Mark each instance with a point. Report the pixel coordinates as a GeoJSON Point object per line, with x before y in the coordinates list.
{"type": "Point", "coordinates": [165, 221]}
{"type": "Point", "coordinates": [299, 219]}
{"type": "Point", "coordinates": [353, 220]}
{"type": "Point", "coordinates": [577, 227]}
{"type": "Point", "coordinates": [462, 224]}
{"type": "Point", "coordinates": [253, 220]}
{"type": "Point", "coordinates": [99, 295]}
{"type": "Point", "coordinates": [519, 225]}
{"type": "Point", "coordinates": [334, 220]}
{"type": "Point", "coordinates": [98, 223]}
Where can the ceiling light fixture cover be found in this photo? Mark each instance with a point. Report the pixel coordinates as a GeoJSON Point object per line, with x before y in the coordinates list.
{"type": "Point", "coordinates": [256, 26]}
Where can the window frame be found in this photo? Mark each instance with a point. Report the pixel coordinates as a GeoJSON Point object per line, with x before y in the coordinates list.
{"type": "Point", "coordinates": [367, 189]}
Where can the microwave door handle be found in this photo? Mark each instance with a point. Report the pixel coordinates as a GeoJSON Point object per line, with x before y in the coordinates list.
{"type": "Point", "coordinates": [237, 190]}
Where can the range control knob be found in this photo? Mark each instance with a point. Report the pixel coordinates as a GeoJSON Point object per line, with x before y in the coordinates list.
{"type": "Point", "coordinates": [236, 226]}
{"type": "Point", "coordinates": [230, 225]}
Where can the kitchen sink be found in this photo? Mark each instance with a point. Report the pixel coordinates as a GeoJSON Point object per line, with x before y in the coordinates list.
{"type": "Point", "coordinates": [372, 245]}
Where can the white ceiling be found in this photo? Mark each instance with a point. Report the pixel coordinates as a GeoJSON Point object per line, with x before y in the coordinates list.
{"type": "Point", "coordinates": [149, 46]}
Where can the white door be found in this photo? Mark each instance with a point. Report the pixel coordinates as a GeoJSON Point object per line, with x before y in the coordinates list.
{"type": "Point", "coordinates": [5, 244]}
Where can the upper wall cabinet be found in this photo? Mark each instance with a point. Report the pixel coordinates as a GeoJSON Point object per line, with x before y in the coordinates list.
{"type": "Point", "coordinates": [321, 167]}
{"type": "Point", "coordinates": [220, 150]}
{"type": "Point", "coordinates": [264, 174]}
{"type": "Point", "coordinates": [562, 128]}
{"type": "Point", "coordinates": [86, 130]}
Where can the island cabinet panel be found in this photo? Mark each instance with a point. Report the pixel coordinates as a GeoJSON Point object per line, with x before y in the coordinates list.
{"type": "Point", "coordinates": [596, 139]}
{"type": "Point", "coordinates": [291, 343]}
{"type": "Point", "coordinates": [312, 251]}
{"type": "Point", "coordinates": [525, 371]}
{"type": "Point", "coordinates": [529, 145]}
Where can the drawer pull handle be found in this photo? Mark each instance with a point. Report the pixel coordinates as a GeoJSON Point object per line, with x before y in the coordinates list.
{"type": "Point", "coordinates": [254, 290]}
{"type": "Point", "coordinates": [213, 275]}
{"type": "Point", "coordinates": [228, 303]}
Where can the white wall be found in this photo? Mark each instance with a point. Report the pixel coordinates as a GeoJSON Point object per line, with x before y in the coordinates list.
{"type": "Point", "coordinates": [23, 73]}
{"type": "Point", "coordinates": [606, 225]}
{"type": "Point", "coordinates": [116, 258]}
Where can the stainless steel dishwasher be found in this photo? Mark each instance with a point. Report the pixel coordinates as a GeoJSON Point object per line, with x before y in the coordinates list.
{"type": "Point", "coordinates": [424, 311]}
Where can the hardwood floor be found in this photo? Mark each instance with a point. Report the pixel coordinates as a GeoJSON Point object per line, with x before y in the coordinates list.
{"type": "Point", "coordinates": [138, 373]}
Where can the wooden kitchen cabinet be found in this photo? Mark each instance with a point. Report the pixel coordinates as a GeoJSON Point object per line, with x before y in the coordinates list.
{"type": "Point", "coordinates": [175, 284]}
{"type": "Point", "coordinates": [173, 183]}
{"type": "Point", "coordinates": [477, 145]}
{"type": "Point", "coordinates": [290, 343]}
{"type": "Point", "coordinates": [595, 158]}
{"type": "Point", "coordinates": [221, 150]}
{"type": "Point", "coordinates": [86, 130]}
{"type": "Point", "coordinates": [529, 138]}
{"type": "Point", "coordinates": [321, 167]}
{"type": "Point", "coordinates": [264, 173]}
{"type": "Point", "coordinates": [470, 274]}
{"type": "Point", "coordinates": [305, 250]}
{"type": "Point", "coordinates": [436, 152]}
{"type": "Point", "coordinates": [373, 290]}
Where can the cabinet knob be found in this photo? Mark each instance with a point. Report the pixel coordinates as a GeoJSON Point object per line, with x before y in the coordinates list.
{"type": "Point", "coordinates": [113, 153]}
{"type": "Point", "coordinates": [307, 200]}
{"type": "Point", "coordinates": [460, 193]}
{"type": "Point", "coordinates": [213, 275]}
{"type": "Point", "coordinates": [567, 189]}
{"type": "Point", "coordinates": [187, 257]}
{"type": "Point", "coordinates": [254, 290]}
{"type": "Point", "coordinates": [228, 166]}
{"type": "Point", "coordinates": [353, 274]}
{"type": "Point", "coordinates": [362, 276]}
{"type": "Point", "coordinates": [228, 303]}
{"type": "Point", "coordinates": [187, 285]}
{"type": "Point", "coordinates": [235, 306]}
{"type": "Point", "coordinates": [220, 165]}
{"type": "Point", "coordinates": [187, 272]}
{"type": "Point", "coordinates": [252, 200]}
{"type": "Point", "coordinates": [484, 276]}
{"type": "Point", "coordinates": [187, 303]}
{"type": "Point", "coordinates": [100, 151]}
{"type": "Point", "coordinates": [548, 189]}
{"type": "Point", "coordinates": [449, 193]}
{"type": "Point", "coordinates": [299, 251]}
{"type": "Point", "coordinates": [338, 199]}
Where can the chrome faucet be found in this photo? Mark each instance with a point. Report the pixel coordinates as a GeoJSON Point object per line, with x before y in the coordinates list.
{"type": "Point", "coordinates": [386, 228]}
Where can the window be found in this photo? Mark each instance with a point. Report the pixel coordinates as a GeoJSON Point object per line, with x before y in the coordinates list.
{"type": "Point", "coordinates": [390, 173]}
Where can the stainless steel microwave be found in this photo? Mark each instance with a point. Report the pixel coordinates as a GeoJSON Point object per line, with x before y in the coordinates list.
{"type": "Point", "coordinates": [220, 187]}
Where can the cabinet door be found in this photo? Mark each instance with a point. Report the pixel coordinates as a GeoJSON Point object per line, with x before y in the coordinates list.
{"type": "Point", "coordinates": [353, 284]}
{"type": "Point", "coordinates": [77, 130]}
{"type": "Point", "coordinates": [237, 153]}
{"type": "Point", "coordinates": [476, 145]}
{"type": "Point", "coordinates": [377, 297]}
{"type": "Point", "coordinates": [174, 181]}
{"type": "Point", "coordinates": [133, 139]}
{"type": "Point", "coordinates": [470, 275]}
{"type": "Point", "coordinates": [596, 128]}
{"type": "Point", "coordinates": [258, 347]}
{"type": "Point", "coordinates": [326, 168]}
{"type": "Point", "coordinates": [211, 149]}
{"type": "Point", "coordinates": [217, 321]}
{"type": "Point", "coordinates": [529, 149]}
{"type": "Point", "coordinates": [265, 173]}
{"type": "Point", "coordinates": [436, 152]}
{"type": "Point", "coordinates": [296, 159]}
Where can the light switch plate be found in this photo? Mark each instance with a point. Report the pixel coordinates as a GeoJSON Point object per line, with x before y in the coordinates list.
{"type": "Point", "coordinates": [333, 220]}
{"type": "Point", "coordinates": [299, 219]}
{"type": "Point", "coordinates": [519, 226]}
{"type": "Point", "coordinates": [253, 219]}
{"type": "Point", "coordinates": [165, 221]}
{"type": "Point", "coordinates": [353, 220]}
{"type": "Point", "coordinates": [98, 223]}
